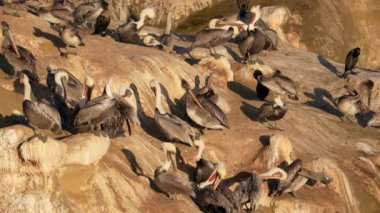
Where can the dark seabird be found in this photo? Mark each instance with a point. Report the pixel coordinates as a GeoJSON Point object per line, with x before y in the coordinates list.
{"type": "Point", "coordinates": [351, 61]}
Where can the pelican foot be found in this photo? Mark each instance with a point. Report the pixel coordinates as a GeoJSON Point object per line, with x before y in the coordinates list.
{"type": "Point", "coordinates": [293, 194]}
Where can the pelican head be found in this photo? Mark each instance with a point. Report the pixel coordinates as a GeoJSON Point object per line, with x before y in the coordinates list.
{"type": "Point", "coordinates": [170, 151]}
{"type": "Point", "coordinates": [357, 52]}
{"type": "Point", "coordinates": [216, 177]}
{"type": "Point", "coordinates": [7, 34]}
{"type": "Point", "coordinates": [149, 12]}
{"type": "Point", "coordinates": [104, 5]}
{"type": "Point", "coordinates": [257, 74]}
{"type": "Point", "coordinates": [274, 173]}
{"type": "Point", "coordinates": [61, 79]}
{"type": "Point", "coordinates": [278, 101]}
{"type": "Point", "coordinates": [89, 82]}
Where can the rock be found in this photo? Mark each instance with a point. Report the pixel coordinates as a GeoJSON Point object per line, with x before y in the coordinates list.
{"type": "Point", "coordinates": [339, 184]}
{"type": "Point", "coordinates": [279, 149]}
{"type": "Point", "coordinates": [365, 149]}
{"type": "Point", "coordinates": [375, 121]}
{"type": "Point", "coordinates": [376, 160]}
{"type": "Point", "coordinates": [366, 166]}
{"type": "Point", "coordinates": [85, 149]}
{"type": "Point", "coordinates": [32, 202]}
{"type": "Point", "coordinates": [11, 137]}
{"type": "Point", "coordinates": [275, 17]}
{"type": "Point", "coordinates": [219, 68]}
{"type": "Point", "coordinates": [47, 155]}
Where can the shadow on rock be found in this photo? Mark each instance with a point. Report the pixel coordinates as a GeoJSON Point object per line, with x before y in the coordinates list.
{"type": "Point", "coordinates": [328, 65]}
{"type": "Point", "coordinates": [133, 162]}
{"type": "Point", "coordinates": [319, 101]}
{"type": "Point", "coordinates": [57, 41]}
{"type": "Point", "coordinates": [250, 111]}
{"type": "Point", "coordinates": [242, 90]}
{"type": "Point", "coordinates": [10, 120]}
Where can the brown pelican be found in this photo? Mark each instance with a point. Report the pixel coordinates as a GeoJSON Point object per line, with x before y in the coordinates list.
{"type": "Point", "coordinates": [256, 40]}
{"type": "Point", "coordinates": [101, 114]}
{"type": "Point", "coordinates": [203, 111]}
{"type": "Point", "coordinates": [297, 176]}
{"type": "Point", "coordinates": [173, 128]}
{"type": "Point", "coordinates": [351, 61]}
{"type": "Point", "coordinates": [88, 12]}
{"type": "Point", "coordinates": [76, 92]}
{"type": "Point", "coordinates": [14, 3]}
{"type": "Point", "coordinates": [352, 104]}
{"type": "Point", "coordinates": [167, 39]}
{"type": "Point", "coordinates": [129, 32]}
{"type": "Point", "coordinates": [249, 190]}
{"type": "Point", "coordinates": [273, 111]}
{"type": "Point", "coordinates": [103, 20]}
{"type": "Point", "coordinates": [204, 168]}
{"type": "Point", "coordinates": [222, 199]}
{"type": "Point", "coordinates": [211, 38]}
{"type": "Point", "coordinates": [40, 114]}
{"type": "Point", "coordinates": [57, 15]}
{"type": "Point", "coordinates": [71, 36]}
{"type": "Point", "coordinates": [276, 82]}
{"type": "Point", "coordinates": [21, 59]}
{"type": "Point", "coordinates": [172, 182]}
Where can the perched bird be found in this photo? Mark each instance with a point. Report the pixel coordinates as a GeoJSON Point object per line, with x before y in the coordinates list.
{"type": "Point", "coordinates": [10, 3]}
{"type": "Point", "coordinates": [297, 176]}
{"type": "Point", "coordinates": [352, 104]}
{"type": "Point", "coordinates": [273, 111]}
{"type": "Point", "coordinates": [40, 114]}
{"type": "Point", "coordinates": [87, 12]}
{"type": "Point", "coordinates": [173, 127]}
{"type": "Point", "coordinates": [20, 59]}
{"type": "Point", "coordinates": [71, 36]}
{"type": "Point", "coordinates": [243, 6]}
{"type": "Point", "coordinates": [129, 32]}
{"type": "Point", "coordinates": [203, 111]}
{"type": "Point", "coordinates": [167, 39]}
{"type": "Point", "coordinates": [171, 181]}
{"type": "Point", "coordinates": [57, 15]}
{"type": "Point", "coordinates": [103, 20]}
{"type": "Point", "coordinates": [211, 38]}
{"type": "Point", "coordinates": [277, 83]}
{"type": "Point", "coordinates": [351, 61]}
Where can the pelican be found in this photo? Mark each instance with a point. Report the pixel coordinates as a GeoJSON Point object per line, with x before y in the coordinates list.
{"type": "Point", "coordinates": [221, 24]}
{"type": "Point", "coordinates": [203, 111]}
{"type": "Point", "coordinates": [172, 182]}
{"type": "Point", "coordinates": [352, 104]}
{"type": "Point", "coordinates": [223, 199]}
{"type": "Point", "coordinates": [40, 114]}
{"type": "Point", "coordinates": [211, 38]}
{"type": "Point", "coordinates": [351, 61]}
{"type": "Point", "coordinates": [297, 176]}
{"type": "Point", "coordinates": [256, 40]}
{"type": "Point", "coordinates": [21, 59]}
{"type": "Point", "coordinates": [273, 112]}
{"type": "Point", "coordinates": [103, 20]}
{"type": "Point", "coordinates": [76, 91]}
{"type": "Point", "coordinates": [167, 39]}
{"type": "Point", "coordinates": [129, 32]}
{"type": "Point", "coordinates": [249, 190]}
{"type": "Point", "coordinates": [71, 36]}
{"type": "Point", "coordinates": [88, 12]}
{"type": "Point", "coordinates": [57, 15]}
{"type": "Point", "coordinates": [277, 83]}
{"type": "Point", "coordinates": [243, 6]}
{"type": "Point", "coordinates": [103, 114]}
{"type": "Point", "coordinates": [204, 168]}
{"type": "Point", "coordinates": [173, 128]}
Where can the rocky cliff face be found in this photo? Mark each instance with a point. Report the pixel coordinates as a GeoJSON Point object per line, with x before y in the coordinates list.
{"type": "Point", "coordinates": [64, 176]}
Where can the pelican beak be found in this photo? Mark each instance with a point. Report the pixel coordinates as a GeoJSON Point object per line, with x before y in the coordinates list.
{"type": "Point", "coordinates": [217, 182]}
{"type": "Point", "coordinates": [64, 85]}
{"type": "Point", "coordinates": [173, 160]}
{"type": "Point", "coordinates": [10, 37]}
{"type": "Point", "coordinates": [196, 100]}
{"type": "Point", "coordinates": [318, 176]}
{"type": "Point", "coordinates": [275, 173]}
{"type": "Point", "coordinates": [369, 97]}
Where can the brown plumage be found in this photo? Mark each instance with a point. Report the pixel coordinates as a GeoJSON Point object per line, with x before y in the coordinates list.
{"type": "Point", "coordinates": [21, 59]}
{"type": "Point", "coordinates": [292, 171]}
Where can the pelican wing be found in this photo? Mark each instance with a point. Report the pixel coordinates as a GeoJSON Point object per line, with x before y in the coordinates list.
{"type": "Point", "coordinates": [95, 111]}
{"type": "Point", "coordinates": [246, 44]}
{"type": "Point", "coordinates": [173, 183]}
{"type": "Point", "coordinates": [175, 128]}
{"type": "Point", "coordinates": [271, 84]}
{"type": "Point", "coordinates": [210, 200]}
{"type": "Point", "coordinates": [214, 110]}
{"type": "Point", "coordinates": [42, 115]}
{"type": "Point", "coordinates": [206, 36]}
{"type": "Point", "coordinates": [286, 83]}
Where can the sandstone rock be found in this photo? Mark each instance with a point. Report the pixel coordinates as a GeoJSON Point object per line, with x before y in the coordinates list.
{"type": "Point", "coordinates": [220, 69]}
{"type": "Point", "coordinates": [11, 137]}
{"type": "Point", "coordinates": [85, 149]}
{"type": "Point", "coordinates": [366, 166]}
{"type": "Point", "coordinates": [365, 148]}
{"type": "Point", "coordinates": [47, 155]}
{"type": "Point", "coordinates": [376, 160]}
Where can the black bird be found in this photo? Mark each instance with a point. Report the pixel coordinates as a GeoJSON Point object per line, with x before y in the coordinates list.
{"type": "Point", "coordinates": [351, 61]}
{"type": "Point", "coordinates": [103, 20]}
{"type": "Point", "coordinates": [243, 6]}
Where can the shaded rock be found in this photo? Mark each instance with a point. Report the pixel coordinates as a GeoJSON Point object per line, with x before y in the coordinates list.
{"type": "Point", "coordinates": [376, 160]}
{"type": "Point", "coordinates": [85, 149]}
